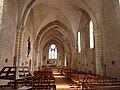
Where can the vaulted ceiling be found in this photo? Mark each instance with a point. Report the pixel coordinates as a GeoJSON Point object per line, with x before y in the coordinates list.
{"type": "Point", "coordinates": [67, 15]}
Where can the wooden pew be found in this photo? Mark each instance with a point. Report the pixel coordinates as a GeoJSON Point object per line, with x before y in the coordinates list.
{"type": "Point", "coordinates": [44, 83]}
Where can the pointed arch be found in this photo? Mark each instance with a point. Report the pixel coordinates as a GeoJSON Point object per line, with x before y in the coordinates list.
{"type": "Point", "coordinates": [59, 24]}
{"type": "Point", "coordinates": [82, 5]}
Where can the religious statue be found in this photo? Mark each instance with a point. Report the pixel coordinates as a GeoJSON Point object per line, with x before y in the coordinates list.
{"type": "Point", "coordinates": [29, 46]}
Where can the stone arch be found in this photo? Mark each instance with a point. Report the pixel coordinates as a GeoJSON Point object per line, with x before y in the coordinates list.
{"type": "Point", "coordinates": [56, 40]}
{"type": "Point", "coordinates": [59, 24]}
{"type": "Point", "coordinates": [82, 6]}
{"type": "Point", "coordinates": [50, 38]}
{"type": "Point", "coordinates": [32, 3]}
{"type": "Point", "coordinates": [60, 48]}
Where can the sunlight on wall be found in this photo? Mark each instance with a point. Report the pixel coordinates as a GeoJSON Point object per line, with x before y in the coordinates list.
{"type": "Point", "coordinates": [1, 12]}
{"type": "Point", "coordinates": [1, 2]}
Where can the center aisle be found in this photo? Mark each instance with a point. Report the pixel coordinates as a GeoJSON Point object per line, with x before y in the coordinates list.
{"type": "Point", "coordinates": [63, 83]}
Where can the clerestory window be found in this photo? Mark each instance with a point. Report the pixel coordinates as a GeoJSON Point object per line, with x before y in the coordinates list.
{"type": "Point", "coordinates": [91, 34]}
{"type": "Point", "coordinates": [79, 45]}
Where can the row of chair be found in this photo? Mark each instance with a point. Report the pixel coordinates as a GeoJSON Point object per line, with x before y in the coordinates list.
{"type": "Point", "coordinates": [88, 81]}
{"type": "Point", "coordinates": [42, 79]}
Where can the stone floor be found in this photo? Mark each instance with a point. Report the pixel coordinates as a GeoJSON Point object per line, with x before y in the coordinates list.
{"type": "Point", "coordinates": [63, 83]}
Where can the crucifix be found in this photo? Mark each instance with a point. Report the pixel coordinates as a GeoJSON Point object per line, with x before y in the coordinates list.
{"type": "Point", "coordinates": [29, 46]}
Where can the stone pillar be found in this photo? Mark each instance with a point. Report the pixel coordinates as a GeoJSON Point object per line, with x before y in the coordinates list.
{"type": "Point", "coordinates": [18, 46]}
{"type": "Point", "coordinates": [98, 52]}
{"type": "Point", "coordinates": [38, 58]}
{"type": "Point", "coordinates": [68, 58]}
{"type": "Point", "coordinates": [74, 59]}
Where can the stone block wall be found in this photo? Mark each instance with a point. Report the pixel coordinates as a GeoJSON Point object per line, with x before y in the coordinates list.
{"type": "Point", "coordinates": [111, 30]}
{"type": "Point", "coordinates": [7, 33]}
{"type": "Point", "coordinates": [86, 58]}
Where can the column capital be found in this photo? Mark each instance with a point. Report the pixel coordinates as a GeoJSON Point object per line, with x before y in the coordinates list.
{"type": "Point", "coordinates": [97, 32]}
{"type": "Point", "coordinates": [20, 26]}
{"type": "Point", "coordinates": [20, 29]}
{"type": "Point", "coordinates": [74, 49]}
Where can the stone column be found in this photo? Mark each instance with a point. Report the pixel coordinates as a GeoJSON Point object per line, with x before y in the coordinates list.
{"type": "Point", "coordinates": [17, 47]}
{"type": "Point", "coordinates": [73, 59]}
{"type": "Point", "coordinates": [20, 45]}
{"type": "Point", "coordinates": [68, 59]}
{"type": "Point", "coordinates": [98, 52]}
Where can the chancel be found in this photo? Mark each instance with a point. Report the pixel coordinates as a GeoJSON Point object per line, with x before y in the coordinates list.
{"type": "Point", "coordinates": [60, 44]}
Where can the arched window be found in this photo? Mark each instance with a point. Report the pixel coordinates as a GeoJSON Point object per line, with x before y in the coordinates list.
{"type": "Point", "coordinates": [79, 45]}
{"type": "Point", "coordinates": [1, 12]}
{"type": "Point", "coordinates": [91, 34]}
{"type": "Point", "coordinates": [52, 51]}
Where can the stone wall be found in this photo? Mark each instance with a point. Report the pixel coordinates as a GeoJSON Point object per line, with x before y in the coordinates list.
{"type": "Point", "coordinates": [7, 34]}
{"type": "Point", "coordinates": [86, 58]}
{"type": "Point", "coordinates": [111, 30]}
